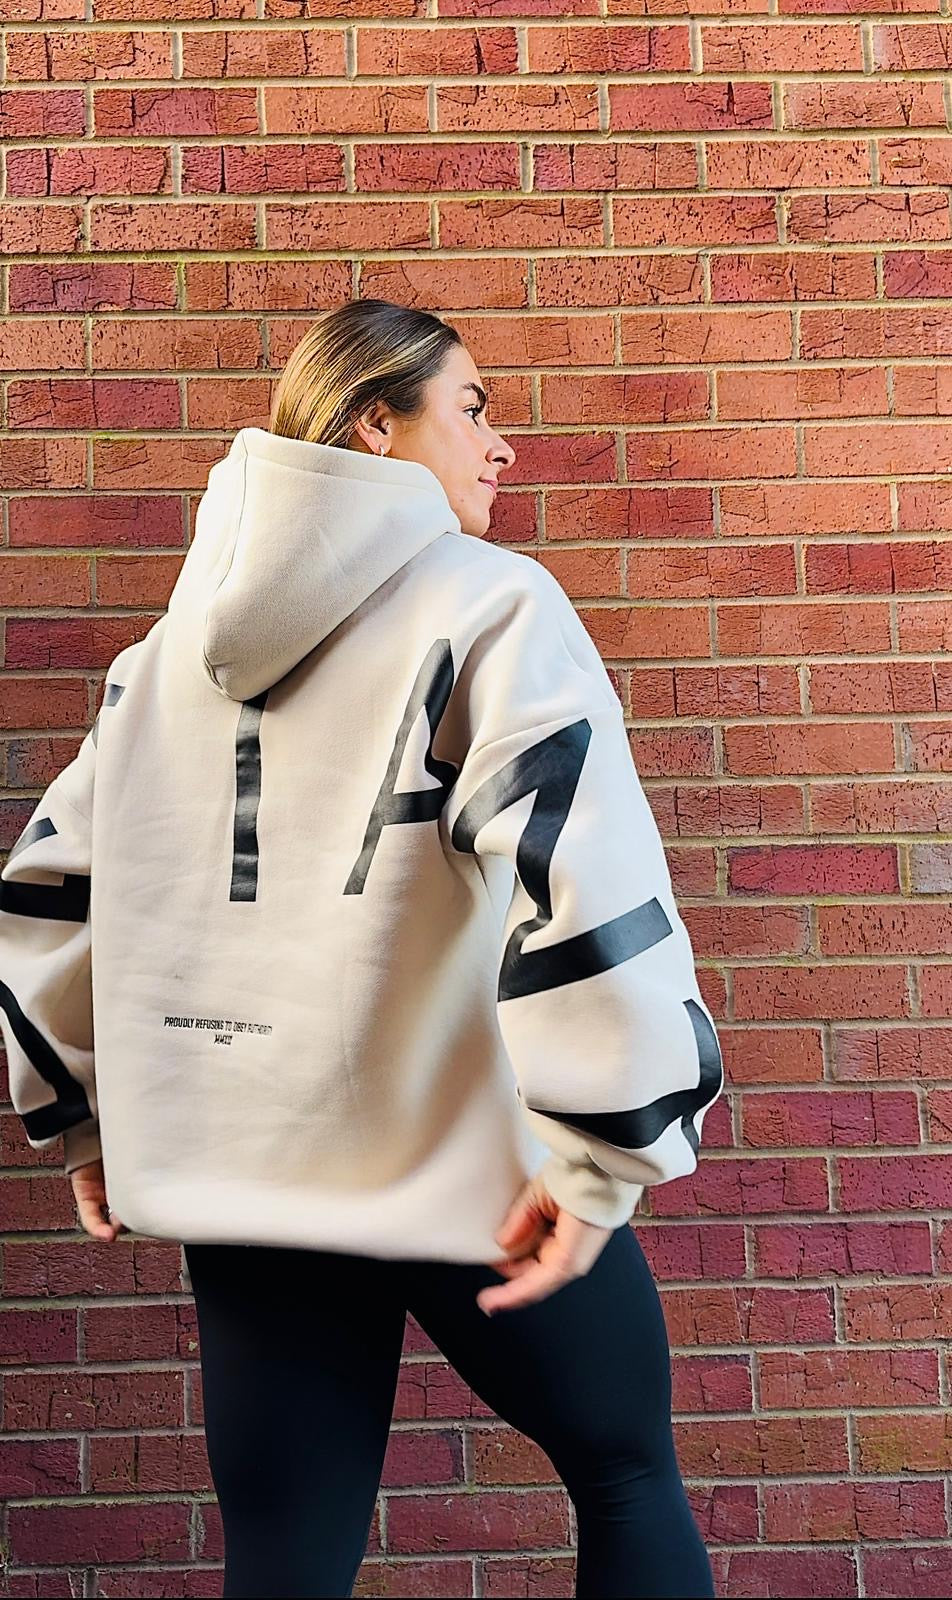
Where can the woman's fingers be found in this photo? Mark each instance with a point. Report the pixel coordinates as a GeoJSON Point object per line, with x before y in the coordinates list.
{"type": "Point", "coordinates": [93, 1219]}
{"type": "Point", "coordinates": [89, 1192]}
{"type": "Point", "coordinates": [562, 1253]}
{"type": "Point", "coordinates": [537, 1281]}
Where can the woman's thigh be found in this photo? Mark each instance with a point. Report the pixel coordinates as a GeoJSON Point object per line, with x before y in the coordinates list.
{"type": "Point", "coordinates": [586, 1372]}
{"type": "Point", "coordinates": [300, 1355]}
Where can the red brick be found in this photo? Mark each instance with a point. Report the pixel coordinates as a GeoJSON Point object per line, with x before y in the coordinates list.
{"type": "Point", "coordinates": [712, 691]}
{"type": "Point", "coordinates": [893, 686]}
{"type": "Point", "coordinates": [34, 763]}
{"type": "Point", "coordinates": [723, 932]}
{"type": "Point", "coordinates": [885, 929]}
{"type": "Point", "coordinates": [855, 218]}
{"type": "Point", "coordinates": [939, 1115]}
{"type": "Point", "coordinates": [763, 1445]}
{"type": "Point", "coordinates": [930, 868]}
{"type": "Point", "coordinates": [626, 281]}
{"type": "Point", "coordinates": [710, 219]}
{"type": "Point", "coordinates": [93, 286]}
{"type": "Point", "coordinates": [903, 806]}
{"type": "Point", "coordinates": [898, 47]}
{"type": "Point", "coordinates": [897, 1313]}
{"type": "Point", "coordinates": [51, 1533]}
{"type": "Point", "coordinates": [795, 508]}
{"type": "Point", "coordinates": [918, 1443]}
{"type": "Point", "coordinates": [714, 1315]}
{"type": "Point", "coordinates": [529, 108]}
{"type": "Point", "coordinates": [786, 274]}
{"type": "Point", "coordinates": [94, 403]}
{"type": "Point", "coordinates": [917, 159]}
{"type": "Point", "coordinates": [741, 1187]}
{"type": "Point", "coordinates": [687, 811]}
{"type": "Point", "coordinates": [253, 53]}
{"type": "Point", "coordinates": [41, 1336]}
{"type": "Point", "coordinates": [842, 1248]}
{"type": "Point", "coordinates": [864, 449]}
{"type": "Point", "coordinates": [771, 1055]}
{"type": "Point", "coordinates": [829, 869]}
{"type": "Point", "coordinates": [885, 1183]}
{"type": "Point", "coordinates": [815, 629]}
{"type": "Point", "coordinates": [673, 106]}
{"type": "Point", "coordinates": [832, 1380]}
{"type": "Point", "coordinates": [43, 702]}
{"type": "Point", "coordinates": [801, 992]}
{"type": "Point", "coordinates": [741, 48]}
{"type": "Point", "coordinates": [84, 169]}
{"type": "Point", "coordinates": [101, 519]}
{"type": "Point", "coordinates": [587, 164]}
{"type": "Point", "coordinates": [808, 748]}
{"type": "Point", "coordinates": [844, 1511]}
{"type": "Point", "coordinates": [419, 166]}
{"type": "Point", "coordinates": [869, 104]}
{"type": "Point", "coordinates": [637, 397]}
{"type": "Point", "coordinates": [67, 642]}
{"type": "Point", "coordinates": [477, 1520]}
{"type": "Point", "coordinates": [47, 343]}
{"type": "Point", "coordinates": [711, 1383]}
{"type": "Point", "coordinates": [929, 746]}
{"type": "Point", "coordinates": [26, 113]}
{"type": "Point", "coordinates": [177, 111]}
{"type": "Point", "coordinates": [29, 228]}
{"type": "Point", "coordinates": [606, 49]}
{"type": "Point", "coordinates": [829, 1118]}
{"type": "Point", "coordinates": [627, 512]}
{"type": "Point", "coordinates": [790, 1574]}
{"type": "Point", "coordinates": [151, 1463]}
{"type": "Point", "coordinates": [35, 1467]}
{"type": "Point", "coordinates": [44, 580]}
{"type": "Point", "coordinates": [891, 1053]}
{"type": "Point", "coordinates": [705, 1249]}
{"type": "Point", "coordinates": [917, 1572]}
{"type": "Point", "coordinates": [78, 53]}
{"type": "Point", "coordinates": [820, 392]}
{"type": "Point", "coordinates": [172, 226]}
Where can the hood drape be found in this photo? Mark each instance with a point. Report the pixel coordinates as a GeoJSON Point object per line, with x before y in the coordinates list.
{"type": "Point", "coordinates": [290, 538]}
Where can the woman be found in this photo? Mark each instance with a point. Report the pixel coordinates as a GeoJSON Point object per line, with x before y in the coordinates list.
{"type": "Point", "coordinates": [388, 975]}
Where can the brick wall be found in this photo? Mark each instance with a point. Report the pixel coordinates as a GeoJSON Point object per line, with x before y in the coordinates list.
{"type": "Point", "coordinates": [703, 260]}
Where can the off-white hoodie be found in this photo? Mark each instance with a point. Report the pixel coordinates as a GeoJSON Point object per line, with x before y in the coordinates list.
{"type": "Point", "coordinates": [351, 913]}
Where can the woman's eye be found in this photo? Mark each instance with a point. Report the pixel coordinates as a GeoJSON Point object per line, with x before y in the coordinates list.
{"type": "Point", "coordinates": [473, 411]}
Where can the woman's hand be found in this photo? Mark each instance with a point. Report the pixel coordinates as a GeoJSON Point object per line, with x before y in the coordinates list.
{"type": "Point", "coordinates": [89, 1189]}
{"type": "Point", "coordinates": [548, 1247]}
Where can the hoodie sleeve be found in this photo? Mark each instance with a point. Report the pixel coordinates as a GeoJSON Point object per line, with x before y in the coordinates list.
{"type": "Point", "coordinates": [45, 972]}
{"type": "Point", "coordinates": [614, 1051]}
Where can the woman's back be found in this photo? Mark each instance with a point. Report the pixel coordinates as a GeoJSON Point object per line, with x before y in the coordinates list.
{"type": "Point", "coordinates": [365, 837]}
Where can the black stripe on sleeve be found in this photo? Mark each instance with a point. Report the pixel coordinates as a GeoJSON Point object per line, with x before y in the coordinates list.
{"type": "Point", "coordinates": [71, 1104]}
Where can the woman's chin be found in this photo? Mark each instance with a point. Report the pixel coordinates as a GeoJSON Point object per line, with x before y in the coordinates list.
{"type": "Point", "coordinates": [476, 523]}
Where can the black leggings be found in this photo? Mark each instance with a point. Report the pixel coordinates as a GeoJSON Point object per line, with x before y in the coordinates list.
{"type": "Point", "coordinates": [300, 1352]}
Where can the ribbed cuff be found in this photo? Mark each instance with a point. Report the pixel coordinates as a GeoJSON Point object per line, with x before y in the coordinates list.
{"type": "Point", "coordinates": [589, 1193]}
{"type": "Point", "coordinates": [81, 1144]}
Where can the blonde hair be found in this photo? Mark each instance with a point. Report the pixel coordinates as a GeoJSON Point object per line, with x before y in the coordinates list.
{"type": "Point", "coordinates": [356, 354]}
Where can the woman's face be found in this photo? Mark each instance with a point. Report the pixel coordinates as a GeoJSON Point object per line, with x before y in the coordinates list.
{"type": "Point", "coordinates": [451, 436]}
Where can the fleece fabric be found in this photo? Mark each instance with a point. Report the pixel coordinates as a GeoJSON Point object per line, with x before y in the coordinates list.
{"type": "Point", "coordinates": [350, 913]}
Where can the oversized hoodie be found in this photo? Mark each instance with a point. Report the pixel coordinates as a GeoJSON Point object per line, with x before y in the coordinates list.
{"type": "Point", "coordinates": [350, 914]}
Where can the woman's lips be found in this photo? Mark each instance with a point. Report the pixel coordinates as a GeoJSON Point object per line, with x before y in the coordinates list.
{"type": "Point", "coordinates": [490, 486]}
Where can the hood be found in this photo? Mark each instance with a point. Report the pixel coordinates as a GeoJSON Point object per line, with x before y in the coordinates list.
{"type": "Point", "coordinates": [290, 538]}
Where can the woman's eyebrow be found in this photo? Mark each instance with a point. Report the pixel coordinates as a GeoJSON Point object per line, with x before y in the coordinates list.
{"type": "Point", "coordinates": [476, 390]}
